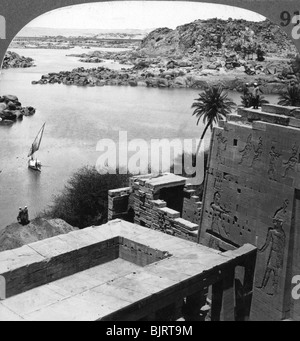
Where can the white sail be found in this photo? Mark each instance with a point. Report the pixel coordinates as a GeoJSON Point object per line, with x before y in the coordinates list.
{"type": "Point", "coordinates": [37, 142]}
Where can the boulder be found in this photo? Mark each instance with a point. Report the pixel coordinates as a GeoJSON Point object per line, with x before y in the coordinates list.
{"type": "Point", "coordinates": [162, 83]}
{"type": "Point", "coordinates": [28, 111]}
{"type": "Point", "coordinates": [3, 106]}
{"type": "Point", "coordinates": [132, 82]}
{"type": "Point", "coordinates": [180, 81]}
{"type": "Point", "coordinates": [19, 114]}
{"type": "Point", "coordinates": [10, 98]}
{"type": "Point", "coordinates": [8, 115]}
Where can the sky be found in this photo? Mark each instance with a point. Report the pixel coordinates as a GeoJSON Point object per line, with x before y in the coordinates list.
{"type": "Point", "coordinates": [137, 15]}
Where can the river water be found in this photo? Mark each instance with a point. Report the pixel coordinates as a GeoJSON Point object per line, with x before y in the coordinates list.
{"type": "Point", "coordinates": [76, 119]}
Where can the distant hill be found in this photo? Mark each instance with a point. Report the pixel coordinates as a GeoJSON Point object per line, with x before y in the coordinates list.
{"type": "Point", "coordinates": [202, 36]}
{"type": "Point", "coordinates": [42, 31]}
{"type": "Point", "coordinates": [16, 235]}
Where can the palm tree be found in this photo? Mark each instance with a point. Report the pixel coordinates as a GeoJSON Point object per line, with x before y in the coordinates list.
{"type": "Point", "coordinates": [212, 106]}
{"type": "Point", "coordinates": [290, 97]}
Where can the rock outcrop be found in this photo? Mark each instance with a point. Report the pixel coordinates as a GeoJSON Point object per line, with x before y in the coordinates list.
{"type": "Point", "coordinates": [196, 55]}
{"type": "Point", "coordinates": [16, 235]}
{"type": "Point", "coordinates": [202, 37]}
{"type": "Point", "coordinates": [14, 60]}
{"type": "Point", "coordinates": [12, 110]}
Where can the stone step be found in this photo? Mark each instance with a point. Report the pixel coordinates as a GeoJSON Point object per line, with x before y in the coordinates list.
{"type": "Point", "coordinates": [186, 224]}
{"type": "Point", "coordinates": [169, 212]}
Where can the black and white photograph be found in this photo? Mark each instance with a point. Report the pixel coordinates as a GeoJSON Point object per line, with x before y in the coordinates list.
{"type": "Point", "coordinates": [150, 163]}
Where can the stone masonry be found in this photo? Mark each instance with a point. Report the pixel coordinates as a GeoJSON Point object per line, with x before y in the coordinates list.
{"type": "Point", "coordinates": [252, 195]}
{"type": "Point", "coordinates": [161, 202]}
{"type": "Point", "coordinates": [116, 272]}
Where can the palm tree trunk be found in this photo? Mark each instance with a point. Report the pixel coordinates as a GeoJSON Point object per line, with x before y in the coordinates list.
{"type": "Point", "coordinates": [202, 137]}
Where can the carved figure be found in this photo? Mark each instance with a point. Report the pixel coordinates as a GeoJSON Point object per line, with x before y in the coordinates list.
{"type": "Point", "coordinates": [218, 225]}
{"type": "Point", "coordinates": [247, 150]}
{"type": "Point", "coordinates": [292, 161]}
{"type": "Point", "coordinates": [274, 155]}
{"type": "Point", "coordinates": [222, 146]}
{"type": "Point", "coordinates": [257, 152]}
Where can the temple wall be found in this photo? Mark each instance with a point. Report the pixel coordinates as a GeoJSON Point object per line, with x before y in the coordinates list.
{"type": "Point", "coordinates": [251, 197]}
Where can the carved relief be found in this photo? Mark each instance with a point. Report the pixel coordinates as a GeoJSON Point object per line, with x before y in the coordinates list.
{"type": "Point", "coordinates": [273, 157]}
{"type": "Point", "coordinates": [275, 242]}
{"type": "Point", "coordinates": [282, 211]}
{"type": "Point", "coordinates": [292, 161]}
{"type": "Point", "coordinates": [257, 152]}
{"type": "Point", "coordinates": [218, 181]}
{"type": "Point", "coordinates": [247, 150]}
{"type": "Point", "coordinates": [221, 147]}
{"type": "Point", "coordinates": [218, 211]}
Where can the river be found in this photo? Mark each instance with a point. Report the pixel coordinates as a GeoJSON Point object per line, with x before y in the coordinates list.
{"type": "Point", "coordinates": [76, 119]}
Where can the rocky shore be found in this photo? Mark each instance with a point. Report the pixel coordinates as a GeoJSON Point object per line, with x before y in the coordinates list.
{"type": "Point", "coordinates": [196, 55]}
{"type": "Point", "coordinates": [12, 110]}
{"type": "Point", "coordinates": [123, 57]}
{"type": "Point", "coordinates": [14, 60]}
{"type": "Point", "coordinates": [273, 76]}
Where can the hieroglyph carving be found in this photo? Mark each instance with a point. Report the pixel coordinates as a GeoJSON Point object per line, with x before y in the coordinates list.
{"type": "Point", "coordinates": [292, 161]}
{"type": "Point", "coordinates": [218, 211]}
{"type": "Point", "coordinates": [275, 242]}
{"type": "Point", "coordinates": [221, 147]}
{"type": "Point", "coordinates": [257, 152]}
{"type": "Point", "coordinates": [247, 150]}
{"type": "Point", "coordinates": [218, 181]}
{"type": "Point", "coordinates": [273, 157]}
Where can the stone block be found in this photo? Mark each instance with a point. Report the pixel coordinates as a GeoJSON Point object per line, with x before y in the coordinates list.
{"type": "Point", "coordinates": [186, 224]}
{"type": "Point", "coordinates": [119, 192]}
{"type": "Point", "coordinates": [169, 212]}
{"type": "Point", "coordinates": [296, 113]}
{"type": "Point", "coordinates": [259, 125]}
{"type": "Point", "coordinates": [234, 118]}
{"type": "Point", "coordinates": [278, 109]}
{"type": "Point", "coordinates": [294, 122]}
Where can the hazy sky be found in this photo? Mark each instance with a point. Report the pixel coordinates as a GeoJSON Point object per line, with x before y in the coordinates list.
{"type": "Point", "coordinates": [140, 15]}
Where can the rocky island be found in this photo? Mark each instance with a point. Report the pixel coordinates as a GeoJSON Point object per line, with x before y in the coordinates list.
{"type": "Point", "coordinates": [14, 60]}
{"type": "Point", "coordinates": [12, 110]}
{"type": "Point", "coordinates": [195, 55]}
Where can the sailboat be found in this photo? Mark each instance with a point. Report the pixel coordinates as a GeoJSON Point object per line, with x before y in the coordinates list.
{"type": "Point", "coordinates": [33, 163]}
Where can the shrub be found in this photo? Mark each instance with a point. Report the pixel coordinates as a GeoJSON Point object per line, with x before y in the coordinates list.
{"type": "Point", "coordinates": [84, 200]}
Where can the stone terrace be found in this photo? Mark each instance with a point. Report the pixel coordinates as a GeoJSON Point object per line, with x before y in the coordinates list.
{"type": "Point", "coordinates": [117, 272]}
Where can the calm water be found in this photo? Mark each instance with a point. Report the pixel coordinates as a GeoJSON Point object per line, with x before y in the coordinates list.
{"type": "Point", "coordinates": [76, 119]}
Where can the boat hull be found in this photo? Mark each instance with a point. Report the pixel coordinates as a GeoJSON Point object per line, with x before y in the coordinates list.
{"type": "Point", "coordinates": [35, 165]}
